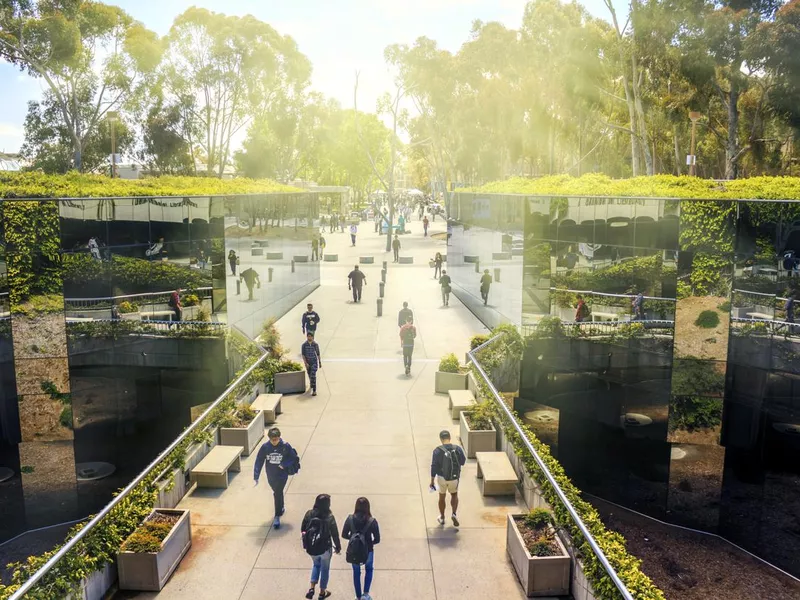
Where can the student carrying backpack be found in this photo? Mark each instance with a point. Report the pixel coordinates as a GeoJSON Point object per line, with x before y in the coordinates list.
{"type": "Point", "coordinates": [320, 537]}
{"type": "Point", "coordinates": [363, 532]}
{"type": "Point", "coordinates": [446, 464]}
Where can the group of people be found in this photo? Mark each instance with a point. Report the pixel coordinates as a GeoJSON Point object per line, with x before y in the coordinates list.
{"type": "Point", "coordinates": [319, 532]}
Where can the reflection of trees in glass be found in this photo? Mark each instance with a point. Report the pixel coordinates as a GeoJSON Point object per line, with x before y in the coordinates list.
{"type": "Point", "coordinates": [706, 230]}
{"type": "Point", "coordinates": [693, 413]}
{"type": "Point", "coordinates": [694, 376]}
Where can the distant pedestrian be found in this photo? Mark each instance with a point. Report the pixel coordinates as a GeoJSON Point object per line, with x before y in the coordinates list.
{"type": "Point", "coordinates": [323, 221]}
{"type": "Point", "coordinates": [233, 260]}
{"type": "Point", "coordinates": [789, 308]}
{"type": "Point", "coordinates": [251, 279]}
{"type": "Point", "coordinates": [94, 248]}
{"type": "Point", "coordinates": [638, 307]}
{"type": "Point", "coordinates": [582, 311]}
{"type": "Point", "coordinates": [486, 283]}
{"type": "Point", "coordinates": [340, 219]}
{"type": "Point", "coordinates": [408, 333]}
{"type": "Point", "coordinates": [378, 219]}
{"type": "Point", "coordinates": [314, 249]}
{"type": "Point", "coordinates": [362, 530]}
{"type": "Point", "coordinates": [280, 460]}
{"type": "Point", "coordinates": [396, 248]}
{"type": "Point", "coordinates": [446, 464]}
{"type": "Point", "coordinates": [310, 320]}
{"type": "Point", "coordinates": [320, 536]}
{"type": "Point", "coordinates": [444, 282]}
{"type": "Point", "coordinates": [425, 224]}
{"type": "Point", "coordinates": [353, 232]}
{"type": "Point", "coordinates": [334, 222]}
{"type": "Point", "coordinates": [201, 258]}
{"type": "Point", "coordinates": [312, 360]}
{"type": "Point", "coordinates": [401, 224]}
{"type": "Point", "coordinates": [355, 280]}
{"type": "Point", "coordinates": [404, 314]}
{"type": "Point", "coordinates": [437, 265]}
{"type": "Point", "coordinates": [174, 303]}
{"type": "Point", "coordinates": [322, 244]}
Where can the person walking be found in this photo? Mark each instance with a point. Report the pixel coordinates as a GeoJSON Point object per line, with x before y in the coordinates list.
{"type": "Point", "coordinates": [233, 260]}
{"type": "Point", "coordinates": [446, 464]}
{"type": "Point", "coordinates": [363, 532]}
{"type": "Point", "coordinates": [425, 224]}
{"type": "Point", "coordinates": [437, 265]}
{"type": "Point", "coordinates": [581, 310]}
{"type": "Point", "coordinates": [486, 283]}
{"type": "Point", "coordinates": [322, 244]}
{"type": "Point", "coordinates": [312, 360]}
{"type": "Point", "coordinates": [408, 334]}
{"type": "Point", "coordinates": [396, 248]}
{"type": "Point", "coordinates": [638, 307]}
{"type": "Point", "coordinates": [356, 279]}
{"type": "Point", "coordinates": [314, 249]}
{"type": "Point", "coordinates": [404, 314]}
{"type": "Point", "coordinates": [320, 536]}
{"type": "Point", "coordinates": [353, 232]}
{"type": "Point", "coordinates": [310, 320]}
{"type": "Point", "coordinates": [378, 217]}
{"type": "Point", "coordinates": [250, 278]}
{"type": "Point", "coordinates": [175, 304]}
{"type": "Point", "coordinates": [201, 258]}
{"type": "Point", "coordinates": [322, 222]}
{"type": "Point", "coordinates": [279, 460]}
{"type": "Point", "coordinates": [444, 283]}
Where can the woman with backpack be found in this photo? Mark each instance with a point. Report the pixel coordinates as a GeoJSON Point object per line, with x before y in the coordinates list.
{"type": "Point", "coordinates": [437, 265]}
{"type": "Point", "coordinates": [363, 532]}
{"type": "Point", "coordinates": [320, 537]}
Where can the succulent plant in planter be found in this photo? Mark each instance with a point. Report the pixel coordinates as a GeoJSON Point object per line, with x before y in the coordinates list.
{"type": "Point", "coordinates": [540, 559]}
{"type": "Point", "coordinates": [450, 376]}
{"type": "Point", "coordinates": [242, 427]}
{"type": "Point", "coordinates": [477, 430]}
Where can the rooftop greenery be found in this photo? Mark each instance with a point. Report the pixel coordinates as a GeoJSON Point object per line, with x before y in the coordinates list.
{"type": "Point", "coordinates": [77, 185]}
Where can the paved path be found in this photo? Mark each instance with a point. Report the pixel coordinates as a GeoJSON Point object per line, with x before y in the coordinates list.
{"type": "Point", "coordinates": [370, 431]}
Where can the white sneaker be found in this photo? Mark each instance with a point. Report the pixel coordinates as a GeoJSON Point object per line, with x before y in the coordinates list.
{"type": "Point", "coordinates": [440, 520]}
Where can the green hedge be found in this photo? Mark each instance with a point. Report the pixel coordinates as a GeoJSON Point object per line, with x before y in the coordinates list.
{"type": "Point", "coordinates": [659, 186]}
{"type": "Point", "coordinates": [76, 185]}
{"type": "Point", "coordinates": [117, 329]}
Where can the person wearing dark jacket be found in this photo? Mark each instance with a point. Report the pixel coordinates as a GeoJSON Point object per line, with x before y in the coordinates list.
{"type": "Point", "coordinates": [233, 260]}
{"type": "Point", "coordinates": [362, 521]}
{"type": "Point", "coordinates": [396, 248]}
{"type": "Point", "coordinates": [408, 333]}
{"type": "Point", "coordinates": [356, 279]}
{"type": "Point", "coordinates": [444, 283]}
{"type": "Point", "coordinates": [312, 359]}
{"type": "Point", "coordinates": [486, 283]}
{"type": "Point", "coordinates": [327, 543]}
{"type": "Point", "coordinates": [279, 460]}
{"type": "Point", "coordinates": [404, 314]}
{"type": "Point", "coordinates": [437, 265]}
{"type": "Point", "coordinates": [310, 320]}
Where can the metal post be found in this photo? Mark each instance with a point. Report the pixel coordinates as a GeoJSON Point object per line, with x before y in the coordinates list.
{"type": "Point", "coordinates": [269, 272]}
{"type": "Point", "coordinates": [292, 265]}
{"type": "Point", "coordinates": [383, 275]}
{"type": "Point", "coordinates": [385, 265]}
{"type": "Point", "coordinates": [238, 287]}
{"type": "Point", "coordinates": [381, 287]}
{"type": "Point", "coordinates": [478, 266]}
{"type": "Point", "coordinates": [497, 275]}
{"type": "Point", "coordinates": [380, 307]}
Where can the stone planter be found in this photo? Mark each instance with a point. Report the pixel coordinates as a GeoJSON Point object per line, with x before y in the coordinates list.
{"type": "Point", "coordinates": [539, 575]}
{"type": "Point", "coordinates": [96, 585]}
{"type": "Point", "coordinates": [245, 437]}
{"type": "Point", "coordinates": [300, 258]}
{"type": "Point", "coordinates": [149, 571]}
{"type": "Point", "coordinates": [331, 258]}
{"type": "Point", "coordinates": [450, 381]}
{"type": "Point", "coordinates": [290, 382]}
{"type": "Point", "coordinates": [476, 440]}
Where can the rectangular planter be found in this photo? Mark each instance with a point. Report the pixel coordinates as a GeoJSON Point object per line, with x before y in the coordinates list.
{"type": "Point", "coordinates": [539, 575]}
{"type": "Point", "coordinates": [150, 571]}
{"type": "Point", "coordinates": [475, 440]}
{"type": "Point", "coordinates": [96, 585]}
{"type": "Point", "coordinates": [450, 381]}
{"type": "Point", "coordinates": [291, 382]}
{"type": "Point", "coordinates": [245, 437]}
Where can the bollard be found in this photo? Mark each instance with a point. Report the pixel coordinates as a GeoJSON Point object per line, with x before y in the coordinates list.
{"type": "Point", "coordinates": [383, 275]}
{"type": "Point", "coordinates": [292, 265]}
{"type": "Point", "coordinates": [380, 307]}
{"type": "Point", "coordinates": [477, 266]}
{"type": "Point", "coordinates": [270, 274]}
{"type": "Point", "coordinates": [496, 275]}
{"type": "Point", "coordinates": [381, 285]}
{"type": "Point", "coordinates": [385, 265]}
{"type": "Point", "coordinates": [238, 286]}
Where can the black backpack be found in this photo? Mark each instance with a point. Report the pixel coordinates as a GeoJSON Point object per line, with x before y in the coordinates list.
{"type": "Point", "coordinates": [451, 466]}
{"type": "Point", "coordinates": [358, 548]}
{"type": "Point", "coordinates": [315, 537]}
{"type": "Point", "coordinates": [294, 466]}
{"type": "Point", "coordinates": [171, 303]}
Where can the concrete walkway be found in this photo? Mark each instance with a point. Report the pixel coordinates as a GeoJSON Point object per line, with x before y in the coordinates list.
{"type": "Point", "coordinates": [370, 431]}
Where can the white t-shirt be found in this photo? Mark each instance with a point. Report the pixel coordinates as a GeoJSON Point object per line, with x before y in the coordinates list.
{"type": "Point", "coordinates": [353, 229]}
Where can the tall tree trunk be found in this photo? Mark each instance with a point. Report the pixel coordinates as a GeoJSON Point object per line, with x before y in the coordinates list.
{"type": "Point", "coordinates": [732, 153]}
{"type": "Point", "coordinates": [635, 153]}
{"type": "Point", "coordinates": [677, 149]}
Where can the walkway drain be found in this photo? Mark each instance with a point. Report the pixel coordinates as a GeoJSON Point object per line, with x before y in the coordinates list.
{"type": "Point", "coordinates": [677, 453]}
{"type": "Point", "coordinates": [92, 471]}
{"type": "Point", "coordinates": [635, 420]}
{"type": "Point", "coordinates": [542, 416]}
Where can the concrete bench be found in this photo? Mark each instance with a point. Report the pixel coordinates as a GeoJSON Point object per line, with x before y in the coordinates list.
{"type": "Point", "coordinates": [212, 471]}
{"type": "Point", "coordinates": [158, 315]}
{"type": "Point", "coordinates": [762, 316]}
{"type": "Point", "coordinates": [599, 316]}
{"type": "Point", "coordinates": [256, 251]}
{"type": "Point", "coordinates": [76, 319]}
{"type": "Point", "coordinates": [366, 260]}
{"type": "Point", "coordinates": [406, 260]}
{"type": "Point", "coordinates": [501, 255]}
{"type": "Point", "coordinates": [497, 476]}
{"type": "Point", "coordinates": [300, 258]}
{"type": "Point", "coordinates": [471, 259]}
{"type": "Point", "coordinates": [331, 258]}
{"type": "Point", "coordinates": [270, 404]}
{"type": "Point", "coordinates": [460, 400]}
{"type": "Point", "coordinates": [274, 255]}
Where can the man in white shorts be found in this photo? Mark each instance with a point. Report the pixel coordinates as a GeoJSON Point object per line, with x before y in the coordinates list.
{"type": "Point", "coordinates": [446, 466]}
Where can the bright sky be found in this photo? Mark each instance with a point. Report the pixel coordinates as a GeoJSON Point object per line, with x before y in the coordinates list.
{"type": "Point", "coordinates": [339, 37]}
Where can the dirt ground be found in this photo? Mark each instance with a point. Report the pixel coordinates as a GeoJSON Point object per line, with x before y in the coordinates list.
{"type": "Point", "coordinates": [42, 336]}
{"type": "Point", "coordinates": [691, 340]}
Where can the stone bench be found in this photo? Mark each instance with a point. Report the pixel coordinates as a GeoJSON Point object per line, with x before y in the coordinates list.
{"type": "Point", "coordinates": [158, 315]}
{"type": "Point", "coordinates": [366, 260]}
{"type": "Point", "coordinates": [406, 260]}
{"type": "Point", "coordinates": [270, 404]}
{"type": "Point", "coordinates": [471, 259]}
{"type": "Point", "coordinates": [460, 400]}
{"type": "Point", "coordinates": [274, 255]}
{"type": "Point", "coordinates": [300, 258]}
{"type": "Point", "coordinates": [497, 476]}
{"type": "Point", "coordinates": [331, 258]}
{"type": "Point", "coordinates": [501, 255]}
{"type": "Point", "coordinates": [256, 251]}
{"type": "Point", "coordinates": [212, 471]}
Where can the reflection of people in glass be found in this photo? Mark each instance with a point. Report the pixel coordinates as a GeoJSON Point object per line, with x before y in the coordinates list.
{"type": "Point", "coordinates": [322, 245]}
{"type": "Point", "coordinates": [314, 249]}
{"type": "Point", "coordinates": [638, 307]}
{"type": "Point", "coordinates": [250, 279]}
{"type": "Point", "coordinates": [570, 260]}
{"type": "Point", "coordinates": [789, 308]}
{"type": "Point", "coordinates": [233, 261]}
{"type": "Point", "coordinates": [175, 304]}
{"type": "Point", "coordinates": [581, 310]}
{"type": "Point", "coordinates": [486, 283]}
{"type": "Point", "coordinates": [155, 249]}
{"type": "Point", "coordinates": [94, 248]}
{"type": "Point", "coordinates": [201, 258]}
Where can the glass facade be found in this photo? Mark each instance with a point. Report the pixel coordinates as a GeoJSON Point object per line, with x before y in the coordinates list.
{"type": "Point", "coordinates": [99, 368]}
{"type": "Point", "coordinates": [660, 359]}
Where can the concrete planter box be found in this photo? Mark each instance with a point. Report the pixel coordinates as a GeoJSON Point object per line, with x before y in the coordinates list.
{"type": "Point", "coordinates": [274, 255]}
{"type": "Point", "coordinates": [471, 259]}
{"type": "Point", "coordinates": [450, 381]}
{"type": "Point", "coordinates": [539, 575]}
{"type": "Point", "coordinates": [256, 251]}
{"type": "Point", "coordinates": [476, 440]}
{"type": "Point", "coordinates": [96, 585]}
{"type": "Point", "coordinates": [245, 437]}
{"type": "Point", "coordinates": [291, 382]}
{"type": "Point", "coordinates": [331, 258]}
{"type": "Point", "coordinates": [303, 258]}
{"type": "Point", "coordinates": [406, 260]}
{"type": "Point", "coordinates": [501, 255]}
{"type": "Point", "coordinates": [366, 260]}
{"type": "Point", "coordinates": [148, 571]}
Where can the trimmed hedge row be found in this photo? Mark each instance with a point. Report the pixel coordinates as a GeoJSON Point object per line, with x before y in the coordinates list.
{"type": "Point", "coordinates": [658, 186]}
{"type": "Point", "coordinates": [77, 185]}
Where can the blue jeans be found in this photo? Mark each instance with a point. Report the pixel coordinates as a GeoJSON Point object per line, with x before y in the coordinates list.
{"type": "Point", "coordinates": [367, 576]}
{"type": "Point", "coordinates": [321, 569]}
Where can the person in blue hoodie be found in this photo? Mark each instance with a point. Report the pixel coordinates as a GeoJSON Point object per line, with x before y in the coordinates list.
{"type": "Point", "coordinates": [279, 460]}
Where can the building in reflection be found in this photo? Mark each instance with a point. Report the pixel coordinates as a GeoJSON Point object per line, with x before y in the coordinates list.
{"type": "Point", "coordinates": [675, 392]}
{"type": "Point", "coordinates": [97, 376]}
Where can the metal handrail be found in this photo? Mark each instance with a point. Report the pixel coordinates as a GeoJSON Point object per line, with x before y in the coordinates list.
{"type": "Point", "coordinates": [551, 480]}
{"type": "Point", "coordinates": [43, 570]}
